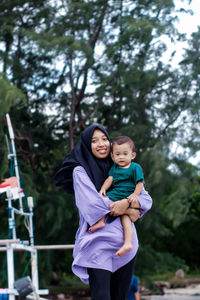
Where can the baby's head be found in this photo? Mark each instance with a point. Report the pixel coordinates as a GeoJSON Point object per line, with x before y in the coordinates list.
{"type": "Point", "coordinates": [123, 151]}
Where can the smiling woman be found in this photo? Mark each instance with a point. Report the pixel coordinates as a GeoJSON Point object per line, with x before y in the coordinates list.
{"type": "Point", "coordinates": [100, 144]}
{"type": "Point", "coordinates": [95, 262]}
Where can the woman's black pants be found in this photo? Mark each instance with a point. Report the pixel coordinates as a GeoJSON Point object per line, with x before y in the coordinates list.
{"type": "Point", "coordinates": [105, 285]}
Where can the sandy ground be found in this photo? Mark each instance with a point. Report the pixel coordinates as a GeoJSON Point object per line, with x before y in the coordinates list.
{"type": "Point", "coordinates": [191, 292]}
{"type": "Point", "coordinates": [171, 297]}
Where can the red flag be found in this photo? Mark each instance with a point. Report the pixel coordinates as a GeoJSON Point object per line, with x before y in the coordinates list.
{"type": "Point", "coordinates": [12, 184]}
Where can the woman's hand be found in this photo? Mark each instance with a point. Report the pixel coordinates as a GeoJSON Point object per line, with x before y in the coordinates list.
{"type": "Point", "coordinates": [133, 214]}
{"type": "Point", "coordinates": [119, 208]}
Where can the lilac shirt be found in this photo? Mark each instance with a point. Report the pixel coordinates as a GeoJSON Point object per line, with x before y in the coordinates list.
{"type": "Point", "coordinates": [97, 249]}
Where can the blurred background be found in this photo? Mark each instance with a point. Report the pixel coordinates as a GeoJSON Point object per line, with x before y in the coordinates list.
{"type": "Point", "coordinates": [132, 66]}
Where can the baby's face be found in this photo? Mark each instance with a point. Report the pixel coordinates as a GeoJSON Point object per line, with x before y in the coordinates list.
{"type": "Point", "coordinates": [123, 155]}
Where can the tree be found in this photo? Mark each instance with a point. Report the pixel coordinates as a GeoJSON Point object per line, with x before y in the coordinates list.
{"type": "Point", "coordinates": [191, 82]}
{"type": "Point", "coordinates": [9, 96]}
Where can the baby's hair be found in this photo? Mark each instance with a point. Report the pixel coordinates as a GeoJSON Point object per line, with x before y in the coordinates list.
{"type": "Point", "coordinates": [119, 140]}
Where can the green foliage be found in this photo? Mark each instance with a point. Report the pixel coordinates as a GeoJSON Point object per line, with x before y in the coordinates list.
{"type": "Point", "coordinates": [185, 234]}
{"type": "Point", "coordinates": [150, 262]}
{"type": "Point", "coordinates": [10, 96]}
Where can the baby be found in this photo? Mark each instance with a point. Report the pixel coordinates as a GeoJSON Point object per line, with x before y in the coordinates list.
{"type": "Point", "coordinates": [125, 180]}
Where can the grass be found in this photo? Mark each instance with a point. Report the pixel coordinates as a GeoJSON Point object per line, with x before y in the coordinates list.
{"type": "Point", "coordinates": [170, 275]}
{"type": "Point", "coordinates": [161, 277]}
{"type": "Point", "coordinates": [68, 282]}
{"type": "Point", "coordinates": [71, 282]}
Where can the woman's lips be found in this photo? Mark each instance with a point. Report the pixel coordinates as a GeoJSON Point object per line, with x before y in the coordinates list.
{"type": "Point", "coordinates": [102, 151]}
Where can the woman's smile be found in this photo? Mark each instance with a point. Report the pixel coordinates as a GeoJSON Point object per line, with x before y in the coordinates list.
{"type": "Point", "coordinates": [100, 144]}
{"type": "Point", "coordinates": [102, 151]}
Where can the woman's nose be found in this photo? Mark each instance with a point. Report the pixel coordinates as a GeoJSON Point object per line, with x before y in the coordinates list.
{"type": "Point", "coordinates": [101, 143]}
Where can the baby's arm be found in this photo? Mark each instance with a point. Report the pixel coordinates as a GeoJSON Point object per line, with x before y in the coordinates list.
{"type": "Point", "coordinates": [107, 184]}
{"type": "Point", "coordinates": [133, 198]}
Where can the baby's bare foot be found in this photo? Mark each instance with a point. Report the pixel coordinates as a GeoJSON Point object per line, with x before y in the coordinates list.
{"type": "Point", "coordinates": [96, 226]}
{"type": "Point", "coordinates": [124, 249]}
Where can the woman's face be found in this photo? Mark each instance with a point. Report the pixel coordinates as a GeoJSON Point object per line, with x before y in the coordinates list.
{"type": "Point", "coordinates": [100, 144]}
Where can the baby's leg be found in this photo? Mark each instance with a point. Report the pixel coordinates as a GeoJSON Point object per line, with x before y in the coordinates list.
{"type": "Point", "coordinates": [128, 236]}
{"type": "Point", "coordinates": [99, 224]}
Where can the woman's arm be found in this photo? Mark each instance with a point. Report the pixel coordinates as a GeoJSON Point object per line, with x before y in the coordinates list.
{"type": "Point", "coordinates": [92, 206]}
{"type": "Point", "coordinates": [120, 207]}
{"type": "Point", "coordinates": [145, 202]}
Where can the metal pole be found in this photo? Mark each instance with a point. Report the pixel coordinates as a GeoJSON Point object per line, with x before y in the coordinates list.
{"type": "Point", "coordinates": [34, 269]}
{"type": "Point", "coordinates": [34, 258]}
{"type": "Point", "coordinates": [10, 256]}
{"type": "Point", "coordinates": [31, 229]}
{"type": "Point", "coordinates": [12, 137]}
{"type": "Point", "coordinates": [10, 268]}
{"type": "Point", "coordinates": [11, 219]}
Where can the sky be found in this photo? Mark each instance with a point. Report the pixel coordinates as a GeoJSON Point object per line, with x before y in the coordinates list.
{"type": "Point", "coordinates": [187, 24]}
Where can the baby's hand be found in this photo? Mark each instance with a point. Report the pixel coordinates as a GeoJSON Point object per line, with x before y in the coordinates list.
{"type": "Point", "coordinates": [102, 192]}
{"type": "Point", "coordinates": [133, 198]}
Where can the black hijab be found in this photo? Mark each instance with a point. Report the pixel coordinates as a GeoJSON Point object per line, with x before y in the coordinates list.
{"type": "Point", "coordinates": [81, 155]}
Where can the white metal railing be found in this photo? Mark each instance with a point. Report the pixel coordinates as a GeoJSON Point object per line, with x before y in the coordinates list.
{"type": "Point", "coordinates": [14, 243]}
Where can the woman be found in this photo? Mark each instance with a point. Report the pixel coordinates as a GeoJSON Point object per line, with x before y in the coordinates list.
{"type": "Point", "coordinates": [83, 172]}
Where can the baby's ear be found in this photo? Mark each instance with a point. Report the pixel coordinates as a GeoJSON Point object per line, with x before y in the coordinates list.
{"type": "Point", "coordinates": [133, 155]}
{"type": "Point", "coordinates": [111, 154]}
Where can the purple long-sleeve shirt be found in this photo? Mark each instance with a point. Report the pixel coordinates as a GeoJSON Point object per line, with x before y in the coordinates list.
{"type": "Point", "coordinates": [97, 249]}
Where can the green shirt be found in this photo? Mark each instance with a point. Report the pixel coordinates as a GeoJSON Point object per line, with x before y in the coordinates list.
{"type": "Point", "coordinates": [124, 180]}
